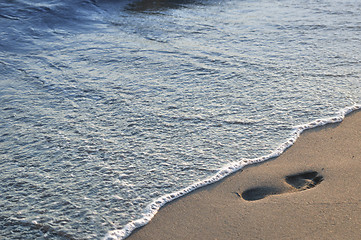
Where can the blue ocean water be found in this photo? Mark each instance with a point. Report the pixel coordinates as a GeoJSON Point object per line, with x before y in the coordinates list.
{"type": "Point", "coordinates": [110, 108]}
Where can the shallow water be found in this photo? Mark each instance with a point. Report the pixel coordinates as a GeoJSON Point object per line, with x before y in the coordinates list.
{"type": "Point", "coordinates": [108, 105]}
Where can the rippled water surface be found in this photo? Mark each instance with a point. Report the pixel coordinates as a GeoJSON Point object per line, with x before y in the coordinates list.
{"type": "Point", "coordinates": [107, 105]}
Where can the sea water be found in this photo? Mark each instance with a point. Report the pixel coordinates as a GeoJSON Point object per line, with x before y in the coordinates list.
{"type": "Point", "coordinates": [109, 109]}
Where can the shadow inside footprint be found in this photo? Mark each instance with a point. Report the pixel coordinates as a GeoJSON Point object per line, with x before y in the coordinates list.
{"type": "Point", "coordinates": [257, 193]}
{"type": "Point", "coordinates": [305, 180]}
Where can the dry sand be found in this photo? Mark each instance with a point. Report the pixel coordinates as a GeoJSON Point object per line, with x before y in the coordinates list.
{"type": "Point", "coordinates": [312, 191]}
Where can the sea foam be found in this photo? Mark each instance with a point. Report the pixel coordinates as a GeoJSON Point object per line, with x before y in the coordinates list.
{"type": "Point", "coordinates": [225, 171]}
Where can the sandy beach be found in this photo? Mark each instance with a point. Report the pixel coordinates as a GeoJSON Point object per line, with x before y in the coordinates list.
{"type": "Point", "coordinates": [312, 191]}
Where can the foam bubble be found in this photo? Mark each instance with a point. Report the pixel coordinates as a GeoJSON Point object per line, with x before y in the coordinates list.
{"type": "Point", "coordinates": [225, 171]}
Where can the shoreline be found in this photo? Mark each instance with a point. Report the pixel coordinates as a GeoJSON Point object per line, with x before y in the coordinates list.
{"type": "Point", "coordinates": [285, 198]}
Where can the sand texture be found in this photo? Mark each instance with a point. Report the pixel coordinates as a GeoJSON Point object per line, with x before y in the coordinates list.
{"type": "Point", "coordinates": [312, 191]}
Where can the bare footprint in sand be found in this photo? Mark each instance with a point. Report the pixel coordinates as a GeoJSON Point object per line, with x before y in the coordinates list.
{"type": "Point", "coordinates": [298, 182]}
{"type": "Point", "coordinates": [305, 180]}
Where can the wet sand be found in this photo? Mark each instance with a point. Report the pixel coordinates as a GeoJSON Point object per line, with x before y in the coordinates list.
{"type": "Point", "coordinates": [312, 191]}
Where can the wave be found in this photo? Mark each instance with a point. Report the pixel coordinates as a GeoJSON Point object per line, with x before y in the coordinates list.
{"type": "Point", "coordinates": [158, 5]}
{"type": "Point", "coordinates": [26, 20]}
{"type": "Point", "coordinates": [26, 23]}
{"type": "Point", "coordinates": [225, 171]}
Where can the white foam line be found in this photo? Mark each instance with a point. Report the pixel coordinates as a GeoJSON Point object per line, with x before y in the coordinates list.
{"type": "Point", "coordinates": [225, 171]}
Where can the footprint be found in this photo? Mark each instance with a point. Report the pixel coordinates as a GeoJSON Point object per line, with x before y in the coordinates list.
{"type": "Point", "coordinates": [305, 180]}
{"type": "Point", "coordinates": [298, 182]}
{"type": "Point", "coordinates": [259, 193]}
